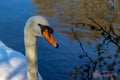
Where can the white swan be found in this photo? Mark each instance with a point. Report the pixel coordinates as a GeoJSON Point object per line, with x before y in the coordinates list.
{"type": "Point", "coordinates": [14, 65]}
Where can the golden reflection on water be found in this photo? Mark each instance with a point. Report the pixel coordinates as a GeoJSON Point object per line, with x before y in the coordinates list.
{"type": "Point", "coordinates": [45, 7]}
{"type": "Point", "coordinates": [78, 11]}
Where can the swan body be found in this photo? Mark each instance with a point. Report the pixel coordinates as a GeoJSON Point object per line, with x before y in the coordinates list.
{"type": "Point", "coordinates": [13, 64]}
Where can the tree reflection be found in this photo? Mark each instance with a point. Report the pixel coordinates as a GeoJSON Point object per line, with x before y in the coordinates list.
{"type": "Point", "coordinates": [106, 64]}
{"type": "Point", "coordinates": [88, 19]}
{"type": "Point", "coordinates": [72, 12]}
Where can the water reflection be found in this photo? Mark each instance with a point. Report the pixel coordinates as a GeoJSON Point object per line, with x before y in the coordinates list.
{"type": "Point", "coordinates": [55, 64]}
{"type": "Point", "coordinates": [88, 21]}
{"type": "Point", "coordinates": [70, 13]}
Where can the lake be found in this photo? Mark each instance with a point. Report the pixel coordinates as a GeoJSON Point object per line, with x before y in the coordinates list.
{"type": "Point", "coordinates": [54, 64]}
{"type": "Point", "coordinates": [57, 63]}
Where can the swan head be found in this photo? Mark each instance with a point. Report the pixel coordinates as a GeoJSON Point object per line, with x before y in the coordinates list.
{"type": "Point", "coordinates": [39, 26]}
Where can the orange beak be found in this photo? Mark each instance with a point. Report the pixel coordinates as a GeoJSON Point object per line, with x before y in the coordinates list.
{"type": "Point", "coordinates": [49, 38]}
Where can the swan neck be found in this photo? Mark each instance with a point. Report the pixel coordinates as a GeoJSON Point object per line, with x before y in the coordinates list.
{"type": "Point", "coordinates": [31, 55]}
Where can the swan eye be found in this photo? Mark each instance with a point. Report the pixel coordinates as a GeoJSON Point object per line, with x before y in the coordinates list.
{"type": "Point", "coordinates": [50, 30]}
{"type": "Point", "coordinates": [44, 27]}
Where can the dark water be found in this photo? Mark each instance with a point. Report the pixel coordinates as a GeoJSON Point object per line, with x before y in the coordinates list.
{"type": "Point", "coordinates": [54, 64]}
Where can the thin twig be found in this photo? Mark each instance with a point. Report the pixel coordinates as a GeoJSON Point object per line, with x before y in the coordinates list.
{"type": "Point", "coordinates": [81, 45]}
{"type": "Point", "coordinates": [93, 62]}
{"type": "Point", "coordinates": [113, 39]}
{"type": "Point", "coordinates": [97, 24]}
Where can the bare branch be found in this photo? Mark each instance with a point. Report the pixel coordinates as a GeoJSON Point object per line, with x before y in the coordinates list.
{"type": "Point", "coordinates": [81, 46]}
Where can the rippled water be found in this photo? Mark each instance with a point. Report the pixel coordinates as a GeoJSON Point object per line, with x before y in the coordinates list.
{"type": "Point", "coordinates": [54, 64]}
